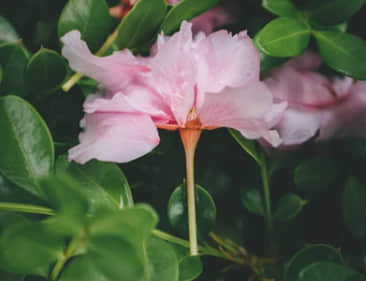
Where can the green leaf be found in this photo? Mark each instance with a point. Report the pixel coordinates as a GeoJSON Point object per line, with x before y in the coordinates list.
{"type": "Point", "coordinates": [248, 145]}
{"type": "Point", "coordinates": [27, 249]}
{"type": "Point", "coordinates": [185, 10]}
{"type": "Point", "coordinates": [331, 12]}
{"type": "Point", "coordinates": [7, 32]}
{"type": "Point", "coordinates": [13, 60]}
{"type": "Point", "coordinates": [178, 214]}
{"type": "Point", "coordinates": [354, 207]}
{"type": "Point", "coordinates": [289, 206]}
{"type": "Point", "coordinates": [90, 17]}
{"type": "Point", "coordinates": [46, 70]}
{"type": "Point", "coordinates": [115, 248]}
{"type": "Point", "coordinates": [162, 260]}
{"type": "Point", "coordinates": [252, 200]}
{"type": "Point", "coordinates": [325, 271]}
{"type": "Point", "coordinates": [316, 173]}
{"type": "Point", "coordinates": [343, 52]}
{"type": "Point", "coordinates": [1, 74]}
{"type": "Point", "coordinates": [284, 8]}
{"type": "Point", "coordinates": [141, 23]}
{"type": "Point", "coordinates": [307, 256]}
{"type": "Point", "coordinates": [104, 182]}
{"type": "Point", "coordinates": [26, 146]}
{"type": "Point", "coordinates": [283, 37]}
{"type": "Point", "coordinates": [6, 276]}
{"type": "Point", "coordinates": [190, 267]}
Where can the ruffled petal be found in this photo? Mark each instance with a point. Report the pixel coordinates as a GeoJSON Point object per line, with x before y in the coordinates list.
{"type": "Point", "coordinates": [174, 71]}
{"type": "Point", "coordinates": [210, 20]}
{"type": "Point", "coordinates": [224, 60]}
{"type": "Point", "coordinates": [113, 72]}
{"type": "Point", "coordinates": [115, 137]}
{"type": "Point", "coordinates": [299, 126]}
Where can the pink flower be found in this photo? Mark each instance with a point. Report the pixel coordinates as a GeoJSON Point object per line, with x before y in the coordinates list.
{"type": "Point", "coordinates": [319, 107]}
{"type": "Point", "coordinates": [195, 83]}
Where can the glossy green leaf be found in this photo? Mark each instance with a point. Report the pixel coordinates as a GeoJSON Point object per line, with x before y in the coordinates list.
{"type": "Point", "coordinates": [283, 37]}
{"type": "Point", "coordinates": [316, 173]}
{"type": "Point", "coordinates": [90, 17]}
{"type": "Point", "coordinates": [104, 182]}
{"type": "Point", "coordinates": [343, 52]}
{"type": "Point", "coordinates": [332, 12]}
{"type": "Point", "coordinates": [288, 207]}
{"type": "Point", "coordinates": [284, 8]}
{"type": "Point", "coordinates": [13, 60]}
{"type": "Point", "coordinates": [27, 249]}
{"type": "Point", "coordinates": [46, 70]}
{"type": "Point", "coordinates": [249, 146]}
{"type": "Point", "coordinates": [307, 256]}
{"type": "Point", "coordinates": [190, 267]}
{"type": "Point", "coordinates": [7, 32]}
{"type": "Point", "coordinates": [26, 146]}
{"type": "Point", "coordinates": [115, 248]}
{"type": "Point", "coordinates": [252, 200]}
{"type": "Point", "coordinates": [354, 207]}
{"type": "Point", "coordinates": [205, 209]}
{"type": "Point", "coordinates": [185, 10]}
{"type": "Point", "coordinates": [141, 23]}
{"type": "Point", "coordinates": [162, 260]}
{"type": "Point", "coordinates": [325, 271]}
{"type": "Point", "coordinates": [9, 192]}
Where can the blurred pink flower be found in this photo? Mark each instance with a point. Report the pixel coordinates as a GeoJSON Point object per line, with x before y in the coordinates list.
{"type": "Point", "coordinates": [202, 83]}
{"type": "Point", "coordinates": [319, 107]}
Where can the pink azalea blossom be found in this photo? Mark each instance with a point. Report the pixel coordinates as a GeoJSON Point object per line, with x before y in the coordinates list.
{"type": "Point", "coordinates": [196, 83]}
{"type": "Point", "coordinates": [319, 107]}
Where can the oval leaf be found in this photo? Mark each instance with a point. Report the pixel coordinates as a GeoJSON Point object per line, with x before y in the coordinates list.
{"type": "Point", "coordinates": [13, 60]}
{"type": "Point", "coordinates": [326, 271]}
{"type": "Point", "coordinates": [90, 17]}
{"type": "Point", "coordinates": [354, 207]}
{"type": "Point", "coordinates": [7, 32]}
{"type": "Point", "coordinates": [253, 201]}
{"type": "Point", "coordinates": [105, 183]}
{"type": "Point", "coordinates": [205, 206]}
{"type": "Point", "coordinates": [332, 12]}
{"type": "Point", "coordinates": [284, 8]}
{"type": "Point", "coordinates": [162, 260]}
{"type": "Point", "coordinates": [289, 206]}
{"type": "Point", "coordinates": [26, 146]}
{"type": "Point", "coordinates": [46, 70]}
{"type": "Point", "coordinates": [190, 268]}
{"type": "Point", "coordinates": [283, 37]}
{"type": "Point", "coordinates": [185, 10]}
{"type": "Point", "coordinates": [308, 256]}
{"type": "Point", "coordinates": [343, 52]}
{"type": "Point", "coordinates": [141, 23]}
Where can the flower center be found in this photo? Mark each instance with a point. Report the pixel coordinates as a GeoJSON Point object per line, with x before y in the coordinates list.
{"type": "Point", "coordinates": [193, 121]}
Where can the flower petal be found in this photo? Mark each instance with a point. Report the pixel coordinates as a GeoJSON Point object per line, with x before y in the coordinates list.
{"type": "Point", "coordinates": [226, 61]}
{"type": "Point", "coordinates": [298, 126]}
{"type": "Point", "coordinates": [115, 137]}
{"type": "Point", "coordinates": [174, 72]}
{"type": "Point", "coordinates": [113, 72]}
{"type": "Point", "coordinates": [236, 107]}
